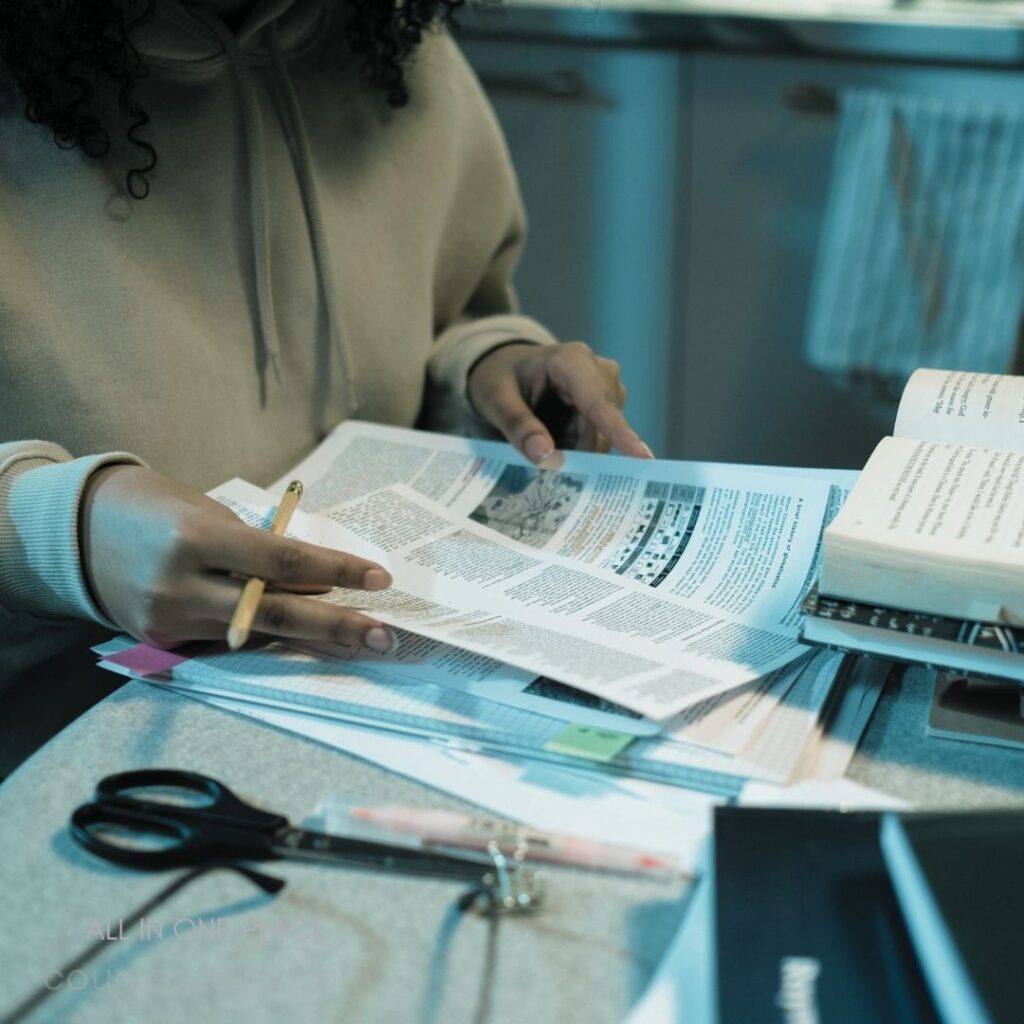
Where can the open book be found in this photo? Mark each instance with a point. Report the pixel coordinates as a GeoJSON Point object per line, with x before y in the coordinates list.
{"type": "Point", "coordinates": [935, 523]}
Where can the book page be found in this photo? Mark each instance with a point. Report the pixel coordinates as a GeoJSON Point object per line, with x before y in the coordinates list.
{"type": "Point", "coordinates": [950, 499]}
{"type": "Point", "coordinates": [981, 409]}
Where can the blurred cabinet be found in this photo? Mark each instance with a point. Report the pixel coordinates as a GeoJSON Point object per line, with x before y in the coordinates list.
{"type": "Point", "coordinates": [759, 181]}
{"type": "Point", "coordinates": [595, 138]}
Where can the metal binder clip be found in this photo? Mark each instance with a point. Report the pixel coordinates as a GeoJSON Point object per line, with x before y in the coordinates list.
{"type": "Point", "coordinates": [511, 888]}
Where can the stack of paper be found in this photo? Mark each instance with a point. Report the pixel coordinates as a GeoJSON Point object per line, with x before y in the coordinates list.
{"type": "Point", "coordinates": [781, 723]}
{"type": "Point", "coordinates": [608, 646]}
{"type": "Point", "coordinates": [640, 615]}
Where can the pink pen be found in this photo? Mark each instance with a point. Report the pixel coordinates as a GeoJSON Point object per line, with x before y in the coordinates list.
{"type": "Point", "coordinates": [475, 832]}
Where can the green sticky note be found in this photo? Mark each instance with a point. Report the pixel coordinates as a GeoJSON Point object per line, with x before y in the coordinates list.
{"type": "Point", "coordinates": [589, 741]}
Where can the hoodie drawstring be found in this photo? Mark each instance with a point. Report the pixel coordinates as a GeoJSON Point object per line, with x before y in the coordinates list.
{"type": "Point", "coordinates": [267, 338]}
{"type": "Point", "coordinates": [314, 214]}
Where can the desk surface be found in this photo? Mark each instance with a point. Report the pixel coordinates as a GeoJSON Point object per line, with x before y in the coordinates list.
{"type": "Point", "coordinates": [343, 945]}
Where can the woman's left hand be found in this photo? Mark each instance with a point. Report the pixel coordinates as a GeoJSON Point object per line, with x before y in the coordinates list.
{"type": "Point", "coordinates": [546, 396]}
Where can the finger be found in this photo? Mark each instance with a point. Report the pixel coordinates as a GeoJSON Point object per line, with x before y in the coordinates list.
{"type": "Point", "coordinates": [291, 588]}
{"type": "Point", "coordinates": [619, 392]}
{"type": "Point", "coordinates": [558, 415]}
{"type": "Point", "coordinates": [509, 412]}
{"type": "Point", "coordinates": [610, 424]}
{"type": "Point", "coordinates": [200, 629]}
{"type": "Point", "coordinates": [592, 441]}
{"type": "Point", "coordinates": [609, 371]}
{"type": "Point", "coordinates": [596, 395]}
{"type": "Point", "coordinates": [588, 439]}
{"type": "Point", "coordinates": [298, 617]}
{"type": "Point", "coordinates": [242, 549]}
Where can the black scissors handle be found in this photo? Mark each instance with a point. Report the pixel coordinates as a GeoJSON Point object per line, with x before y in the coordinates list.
{"type": "Point", "coordinates": [222, 805]}
{"type": "Point", "coordinates": [225, 829]}
{"type": "Point", "coordinates": [222, 828]}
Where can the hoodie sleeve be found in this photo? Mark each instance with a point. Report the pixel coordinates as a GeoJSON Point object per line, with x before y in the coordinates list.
{"type": "Point", "coordinates": [491, 319]}
{"type": "Point", "coordinates": [41, 489]}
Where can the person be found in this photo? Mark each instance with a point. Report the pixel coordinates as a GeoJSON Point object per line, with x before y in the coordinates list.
{"type": "Point", "coordinates": [259, 219]}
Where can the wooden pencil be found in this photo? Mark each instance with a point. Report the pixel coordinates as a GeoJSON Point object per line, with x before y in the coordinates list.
{"type": "Point", "coordinates": [248, 601]}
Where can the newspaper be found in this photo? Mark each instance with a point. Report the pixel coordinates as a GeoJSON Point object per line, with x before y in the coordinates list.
{"type": "Point", "coordinates": [620, 518]}
{"type": "Point", "coordinates": [462, 583]}
{"type": "Point", "coordinates": [739, 540]}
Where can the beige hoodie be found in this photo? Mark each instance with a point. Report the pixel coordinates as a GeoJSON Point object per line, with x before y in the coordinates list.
{"type": "Point", "coordinates": [306, 254]}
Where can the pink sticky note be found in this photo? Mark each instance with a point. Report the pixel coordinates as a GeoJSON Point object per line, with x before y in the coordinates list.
{"type": "Point", "coordinates": [146, 660]}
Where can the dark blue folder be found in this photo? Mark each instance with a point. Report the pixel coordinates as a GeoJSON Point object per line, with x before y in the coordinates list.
{"type": "Point", "coordinates": [807, 923]}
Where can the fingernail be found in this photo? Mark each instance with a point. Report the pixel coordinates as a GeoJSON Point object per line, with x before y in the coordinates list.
{"type": "Point", "coordinates": [376, 579]}
{"type": "Point", "coordinates": [381, 639]}
{"type": "Point", "coordinates": [537, 448]}
{"type": "Point", "coordinates": [647, 449]}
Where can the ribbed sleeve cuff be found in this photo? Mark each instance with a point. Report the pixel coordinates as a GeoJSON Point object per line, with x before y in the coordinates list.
{"type": "Point", "coordinates": [458, 351]}
{"type": "Point", "coordinates": [40, 562]}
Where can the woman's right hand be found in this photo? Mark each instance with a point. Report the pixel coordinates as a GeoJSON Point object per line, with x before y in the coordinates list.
{"type": "Point", "coordinates": [167, 564]}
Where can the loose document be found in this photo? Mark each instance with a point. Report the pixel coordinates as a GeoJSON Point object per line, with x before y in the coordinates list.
{"type": "Point", "coordinates": [798, 724]}
{"type": "Point", "coordinates": [461, 583]}
{"type": "Point", "coordinates": [735, 540]}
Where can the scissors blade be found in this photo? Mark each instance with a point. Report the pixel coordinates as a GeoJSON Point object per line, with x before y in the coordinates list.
{"type": "Point", "coordinates": [309, 845]}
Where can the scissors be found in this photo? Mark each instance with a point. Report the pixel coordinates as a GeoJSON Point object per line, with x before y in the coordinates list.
{"type": "Point", "coordinates": [216, 826]}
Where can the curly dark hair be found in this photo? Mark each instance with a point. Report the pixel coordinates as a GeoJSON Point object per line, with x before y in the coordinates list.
{"type": "Point", "coordinates": [69, 59]}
